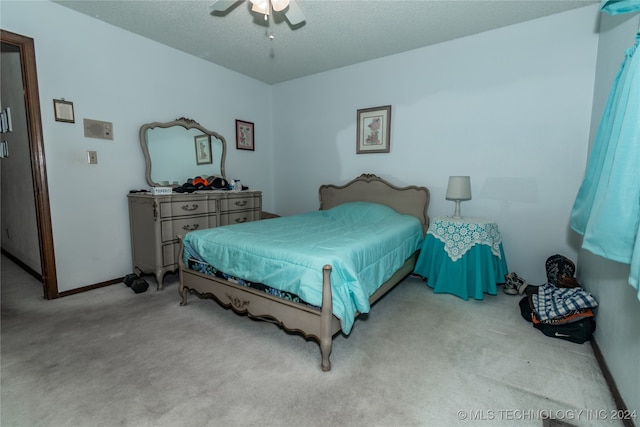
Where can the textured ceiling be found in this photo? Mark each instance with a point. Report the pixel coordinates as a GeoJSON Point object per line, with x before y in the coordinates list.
{"type": "Point", "coordinates": [336, 33]}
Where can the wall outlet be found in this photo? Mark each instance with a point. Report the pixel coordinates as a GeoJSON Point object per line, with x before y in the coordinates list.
{"type": "Point", "coordinates": [92, 157]}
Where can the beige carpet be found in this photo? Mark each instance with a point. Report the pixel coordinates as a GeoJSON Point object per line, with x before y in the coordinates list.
{"type": "Point", "coordinates": [110, 357]}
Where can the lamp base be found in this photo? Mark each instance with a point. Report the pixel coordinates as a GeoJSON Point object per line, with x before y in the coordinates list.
{"type": "Point", "coordinates": [456, 213]}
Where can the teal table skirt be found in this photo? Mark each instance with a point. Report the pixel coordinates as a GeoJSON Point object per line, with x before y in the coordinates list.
{"type": "Point", "coordinates": [476, 273]}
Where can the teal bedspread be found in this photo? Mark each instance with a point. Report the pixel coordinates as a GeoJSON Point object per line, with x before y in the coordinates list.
{"type": "Point", "coordinates": [365, 243]}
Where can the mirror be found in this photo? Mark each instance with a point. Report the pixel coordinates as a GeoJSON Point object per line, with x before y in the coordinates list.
{"type": "Point", "coordinates": [179, 150]}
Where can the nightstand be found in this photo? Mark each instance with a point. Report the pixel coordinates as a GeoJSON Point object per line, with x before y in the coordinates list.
{"type": "Point", "coordinates": [462, 256]}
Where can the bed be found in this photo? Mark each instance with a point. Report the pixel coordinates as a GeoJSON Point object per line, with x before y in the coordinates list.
{"type": "Point", "coordinates": [306, 283]}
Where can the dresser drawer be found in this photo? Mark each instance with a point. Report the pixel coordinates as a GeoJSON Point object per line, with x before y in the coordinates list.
{"type": "Point", "coordinates": [238, 203]}
{"type": "Point", "coordinates": [239, 217]}
{"type": "Point", "coordinates": [181, 226]}
{"type": "Point", "coordinates": [184, 207]}
{"type": "Point", "coordinates": [170, 254]}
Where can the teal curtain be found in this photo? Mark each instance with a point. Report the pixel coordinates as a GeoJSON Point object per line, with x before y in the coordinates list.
{"type": "Point", "coordinates": [615, 7]}
{"type": "Point", "coordinates": [607, 208]}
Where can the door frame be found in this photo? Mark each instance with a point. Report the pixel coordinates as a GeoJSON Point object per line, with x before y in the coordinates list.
{"type": "Point", "coordinates": [38, 164]}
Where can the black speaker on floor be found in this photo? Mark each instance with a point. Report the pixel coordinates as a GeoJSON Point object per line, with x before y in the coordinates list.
{"type": "Point", "coordinates": [129, 279]}
{"type": "Point", "coordinates": [139, 285]}
{"type": "Point", "coordinates": [136, 283]}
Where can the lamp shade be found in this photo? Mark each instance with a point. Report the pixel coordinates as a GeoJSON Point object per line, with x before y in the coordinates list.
{"type": "Point", "coordinates": [459, 188]}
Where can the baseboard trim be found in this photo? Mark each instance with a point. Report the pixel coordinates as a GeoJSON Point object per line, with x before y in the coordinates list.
{"type": "Point", "coordinates": [617, 397]}
{"type": "Point", "coordinates": [23, 266]}
{"type": "Point", "coordinates": [90, 287]}
{"type": "Point", "coordinates": [38, 276]}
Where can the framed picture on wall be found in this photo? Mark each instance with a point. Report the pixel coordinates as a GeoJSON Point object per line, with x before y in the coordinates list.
{"type": "Point", "coordinates": [374, 130]}
{"type": "Point", "coordinates": [203, 149]}
{"type": "Point", "coordinates": [63, 111]}
{"type": "Point", "coordinates": [244, 135]}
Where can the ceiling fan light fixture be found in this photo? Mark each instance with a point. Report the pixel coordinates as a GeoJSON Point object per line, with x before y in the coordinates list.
{"type": "Point", "coordinates": [279, 5]}
{"type": "Point", "coordinates": [287, 8]}
{"type": "Point", "coordinates": [261, 8]}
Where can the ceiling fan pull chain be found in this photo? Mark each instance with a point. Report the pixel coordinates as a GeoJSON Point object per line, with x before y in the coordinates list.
{"type": "Point", "coordinates": [271, 36]}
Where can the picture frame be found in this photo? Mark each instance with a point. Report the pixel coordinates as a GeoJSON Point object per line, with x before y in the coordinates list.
{"type": "Point", "coordinates": [374, 130]}
{"type": "Point", "coordinates": [245, 135]}
{"type": "Point", "coordinates": [203, 149]}
{"type": "Point", "coordinates": [63, 111]}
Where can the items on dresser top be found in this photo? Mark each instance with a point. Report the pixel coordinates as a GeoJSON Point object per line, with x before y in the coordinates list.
{"type": "Point", "coordinates": [161, 190]}
{"type": "Point", "coordinates": [209, 183]}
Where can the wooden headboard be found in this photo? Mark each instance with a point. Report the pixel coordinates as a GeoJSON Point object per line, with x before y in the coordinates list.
{"type": "Point", "coordinates": [411, 200]}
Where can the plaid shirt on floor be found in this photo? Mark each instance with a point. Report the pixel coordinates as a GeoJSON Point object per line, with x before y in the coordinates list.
{"type": "Point", "coordinates": [554, 303]}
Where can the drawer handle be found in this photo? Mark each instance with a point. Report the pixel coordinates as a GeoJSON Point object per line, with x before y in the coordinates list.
{"type": "Point", "coordinates": [188, 227]}
{"type": "Point", "coordinates": [189, 208]}
{"type": "Point", "coordinates": [241, 203]}
{"type": "Point", "coordinates": [240, 220]}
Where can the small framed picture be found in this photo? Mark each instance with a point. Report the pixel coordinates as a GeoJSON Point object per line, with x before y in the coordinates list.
{"type": "Point", "coordinates": [374, 130]}
{"type": "Point", "coordinates": [63, 111]}
{"type": "Point", "coordinates": [244, 135]}
{"type": "Point", "coordinates": [203, 149]}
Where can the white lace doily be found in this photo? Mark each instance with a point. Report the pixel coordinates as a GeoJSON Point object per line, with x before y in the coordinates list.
{"type": "Point", "coordinates": [461, 234]}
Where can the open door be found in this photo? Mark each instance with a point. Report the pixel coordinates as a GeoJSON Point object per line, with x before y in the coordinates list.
{"type": "Point", "coordinates": [26, 48]}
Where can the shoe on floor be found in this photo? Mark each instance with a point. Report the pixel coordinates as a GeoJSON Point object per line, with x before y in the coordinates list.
{"type": "Point", "coordinates": [510, 287]}
{"type": "Point", "coordinates": [514, 284]}
{"type": "Point", "coordinates": [520, 283]}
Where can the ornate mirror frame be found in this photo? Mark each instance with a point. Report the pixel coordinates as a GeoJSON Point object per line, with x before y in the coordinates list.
{"type": "Point", "coordinates": [187, 124]}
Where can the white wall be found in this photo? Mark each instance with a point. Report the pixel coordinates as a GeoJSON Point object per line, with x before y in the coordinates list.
{"type": "Point", "coordinates": [116, 76]}
{"type": "Point", "coordinates": [618, 316]}
{"type": "Point", "coordinates": [510, 107]}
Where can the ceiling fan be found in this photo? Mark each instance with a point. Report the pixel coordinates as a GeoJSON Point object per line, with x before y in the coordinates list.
{"type": "Point", "coordinates": [288, 8]}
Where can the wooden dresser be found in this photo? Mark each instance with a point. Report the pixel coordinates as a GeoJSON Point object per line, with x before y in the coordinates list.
{"type": "Point", "coordinates": [156, 221]}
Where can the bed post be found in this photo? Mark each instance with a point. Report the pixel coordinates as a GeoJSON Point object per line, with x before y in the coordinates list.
{"type": "Point", "coordinates": [326, 317]}
{"type": "Point", "coordinates": [181, 266]}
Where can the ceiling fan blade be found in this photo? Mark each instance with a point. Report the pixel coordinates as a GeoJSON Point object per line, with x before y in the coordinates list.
{"type": "Point", "coordinates": [294, 14]}
{"type": "Point", "coordinates": [222, 5]}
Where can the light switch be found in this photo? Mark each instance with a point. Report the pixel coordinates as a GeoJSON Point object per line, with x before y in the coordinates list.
{"type": "Point", "coordinates": [92, 157]}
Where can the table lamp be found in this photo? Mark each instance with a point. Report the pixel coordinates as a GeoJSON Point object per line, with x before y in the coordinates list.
{"type": "Point", "coordinates": [459, 189]}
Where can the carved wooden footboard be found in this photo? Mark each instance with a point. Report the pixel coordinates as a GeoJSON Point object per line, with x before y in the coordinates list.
{"type": "Point", "coordinates": [318, 324]}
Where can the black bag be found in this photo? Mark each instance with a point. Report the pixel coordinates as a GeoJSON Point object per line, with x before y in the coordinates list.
{"type": "Point", "coordinates": [526, 308]}
{"type": "Point", "coordinates": [578, 332]}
